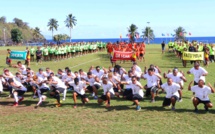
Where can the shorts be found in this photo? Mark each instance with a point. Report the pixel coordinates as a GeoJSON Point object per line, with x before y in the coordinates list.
{"type": "Point", "coordinates": [115, 89]}
{"type": "Point", "coordinates": [43, 90]}
{"type": "Point", "coordinates": [206, 59]}
{"type": "Point", "coordinates": [151, 89]}
{"type": "Point", "coordinates": [137, 97]}
{"type": "Point", "coordinates": [167, 101]}
{"type": "Point", "coordinates": [128, 94]}
{"type": "Point", "coordinates": [90, 88]}
{"type": "Point", "coordinates": [32, 55]}
{"type": "Point", "coordinates": [61, 90]}
{"type": "Point", "coordinates": [20, 92]}
{"type": "Point", "coordinates": [83, 96]}
{"type": "Point", "coordinates": [163, 48]}
{"type": "Point", "coordinates": [39, 57]}
{"type": "Point", "coordinates": [204, 102]}
{"type": "Point", "coordinates": [104, 97]}
{"type": "Point", "coordinates": [170, 46]}
{"type": "Point", "coordinates": [141, 55]}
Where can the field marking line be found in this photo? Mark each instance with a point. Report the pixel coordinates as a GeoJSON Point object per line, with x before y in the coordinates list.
{"type": "Point", "coordinates": [85, 62]}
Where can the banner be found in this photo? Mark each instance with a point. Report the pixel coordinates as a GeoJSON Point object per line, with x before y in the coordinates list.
{"type": "Point", "coordinates": [118, 55]}
{"type": "Point", "coordinates": [18, 55]}
{"type": "Point", "coordinates": [193, 56]}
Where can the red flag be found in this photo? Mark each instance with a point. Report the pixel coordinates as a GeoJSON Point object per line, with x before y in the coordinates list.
{"type": "Point", "coordinates": [181, 34]}
{"type": "Point", "coordinates": [190, 34]}
{"type": "Point", "coordinates": [128, 35]}
{"type": "Point", "coordinates": [137, 35]}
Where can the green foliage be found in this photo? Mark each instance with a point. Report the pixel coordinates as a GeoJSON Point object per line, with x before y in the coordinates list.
{"type": "Point", "coordinates": [53, 25]}
{"type": "Point", "coordinates": [36, 33]}
{"type": "Point", "coordinates": [3, 19]}
{"type": "Point", "coordinates": [27, 32]}
{"type": "Point", "coordinates": [16, 35]}
{"type": "Point", "coordinates": [179, 33]}
{"type": "Point", "coordinates": [70, 22]}
{"type": "Point", "coordinates": [148, 33]}
{"type": "Point", "coordinates": [59, 37]}
{"type": "Point", "coordinates": [132, 30]}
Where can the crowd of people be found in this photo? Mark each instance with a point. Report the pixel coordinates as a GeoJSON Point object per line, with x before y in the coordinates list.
{"type": "Point", "coordinates": [114, 81]}
{"type": "Point", "coordinates": [58, 52]}
{"type": "Point", "coordinates": [180, 47]}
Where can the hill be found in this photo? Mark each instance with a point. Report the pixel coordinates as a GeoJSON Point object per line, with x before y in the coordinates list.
{"type": "Point", "coordinates": [27, 31]}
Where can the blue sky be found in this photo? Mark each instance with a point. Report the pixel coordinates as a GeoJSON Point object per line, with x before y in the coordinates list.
{"type": "Point", "coordinates": [109, 19]}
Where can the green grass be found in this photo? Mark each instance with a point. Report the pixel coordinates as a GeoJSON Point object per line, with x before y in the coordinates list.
{"type": "Point", "coordinates": [120, 118]}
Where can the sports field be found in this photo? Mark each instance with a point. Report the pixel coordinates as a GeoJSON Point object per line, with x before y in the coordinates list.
{"type": "Point", "coordinates": [120, 118]}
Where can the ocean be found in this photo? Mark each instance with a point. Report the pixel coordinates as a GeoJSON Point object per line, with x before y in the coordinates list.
{"type": "Point", "coordinates": [155, 41]}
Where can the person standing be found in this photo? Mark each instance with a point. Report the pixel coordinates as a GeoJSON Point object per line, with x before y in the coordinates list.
{"type": "Point", "coordinates": [201, 94]}
{"type": "Point", "coordinates": [163, 46]}
{"type": "Point", "coordinates": [39, 55]}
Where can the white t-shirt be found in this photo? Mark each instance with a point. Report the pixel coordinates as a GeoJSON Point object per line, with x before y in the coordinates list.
{"type": "Point", "coordinates": [6, 76]}
{"type": "Point", "coordinates": [83, 75]}
{"type": "Point", "coordinates": [17, 83]}
{"type": "Point", "coordinates": [151, 80]}
{"type": "Point", "coordinates": [43, 85]}
{"type": "Point", "coordinates": [61, 75]}
{"type": "Point", "coordinates": [177, 78]}
{"type": "Point", "coordinates": [60, 84]}
{"type": "Point", "coordinates": [91, 80]}
{"type": "Point", "coordinates": [128, 80]}
{"type": "Point", "coordinates": [43, 75]}
{"type": "Point", "coordinates": [98, 74]}
{"type": "Point", "coordinates": [138, 69]}
{"type": "Point", "coordinates": [136, 89]}
{"type": "Point", "coordinates": [22, 69]}
{"type": "Point", "coordinates": [80, 87]}
{"type": "Point", "coordinates": [201, 93]}
{"type": "Point", "coordinates": [67, 78]}
{"type": "Point", "coordinates": [107, 87]}
{"type": "Point", "coordinates": [2, 80]}
{"type": "Point", "coordinates": [171, 90]}
{"type": "Point", "coordinates": [198, 73]}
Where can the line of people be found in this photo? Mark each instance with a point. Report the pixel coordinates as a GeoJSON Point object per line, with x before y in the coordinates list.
{"type": "Point", "coordinates": [114, 81]}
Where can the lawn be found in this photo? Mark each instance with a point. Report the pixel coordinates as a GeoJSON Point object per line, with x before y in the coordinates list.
{"type": "Point", "coordinates": [120, 118]}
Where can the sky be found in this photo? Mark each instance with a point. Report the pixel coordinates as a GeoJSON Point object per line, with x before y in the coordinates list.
{"type": "Point", "coordinates": [110, 18]}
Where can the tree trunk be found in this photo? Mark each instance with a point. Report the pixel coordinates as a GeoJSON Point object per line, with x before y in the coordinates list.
{"type": "Point", "coordinates": [70, 34]}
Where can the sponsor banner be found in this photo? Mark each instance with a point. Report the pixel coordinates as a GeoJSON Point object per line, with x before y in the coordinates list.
{"type": "Point", "coordinates": [118, 55]}
{"type": "Point", "coordinates": [18, 55]}
{"type": "Point", "coordinates": [193, 56]}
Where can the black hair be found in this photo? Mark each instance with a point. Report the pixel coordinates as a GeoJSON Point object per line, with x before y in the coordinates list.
{"type": "Point", "coordinates": [89, 73]}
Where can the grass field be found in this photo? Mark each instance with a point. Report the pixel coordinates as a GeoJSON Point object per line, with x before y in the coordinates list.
{"type": "Point", "coordinates": [120, 118]}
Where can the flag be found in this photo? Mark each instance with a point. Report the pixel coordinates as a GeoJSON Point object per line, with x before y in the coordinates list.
{"type": "Point", "coordinates": [128, 35]}
{"type": "Point", "coordinates": [137, 35]}
{"type": "Point", "coordinates": [163, 34]}
{"type": "Point", "coordinates": [190, 34]}
{"type": "Point", "coordinates": [181, 34]}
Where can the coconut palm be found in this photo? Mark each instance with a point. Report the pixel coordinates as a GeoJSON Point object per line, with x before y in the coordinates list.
{"type": "Point", "coordinates": [70, 23]}
{"type": "Point", "coordinates": [148, 33]}
{"type": "Point", "coordinates": [179, 33]}
{"type": "Point", "coordinates": [53, 25]}
{"type": "Point", "coordinates": [36, 33]}
{"type": "Point", "coordinates": [132, 30]}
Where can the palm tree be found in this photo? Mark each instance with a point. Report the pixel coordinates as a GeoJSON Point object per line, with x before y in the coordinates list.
{"type": "Point", "coordinates": [53, 25]}
{"type": "Point", "coordinates": [36, 33]}
{"type": "Point", "coordinates": [148, 33]}
{"type": "Point", "coordinates": [70, 23]}
{"type": "Point", "coordinates": [132, 30]}
{"type": "Point", "coordinates": [179, 33]}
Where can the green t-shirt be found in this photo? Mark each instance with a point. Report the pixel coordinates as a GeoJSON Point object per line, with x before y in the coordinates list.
{"type": "Point", "coordinates": [32, 51]}
{"type": "Point", "coordinates": [46, 51]}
